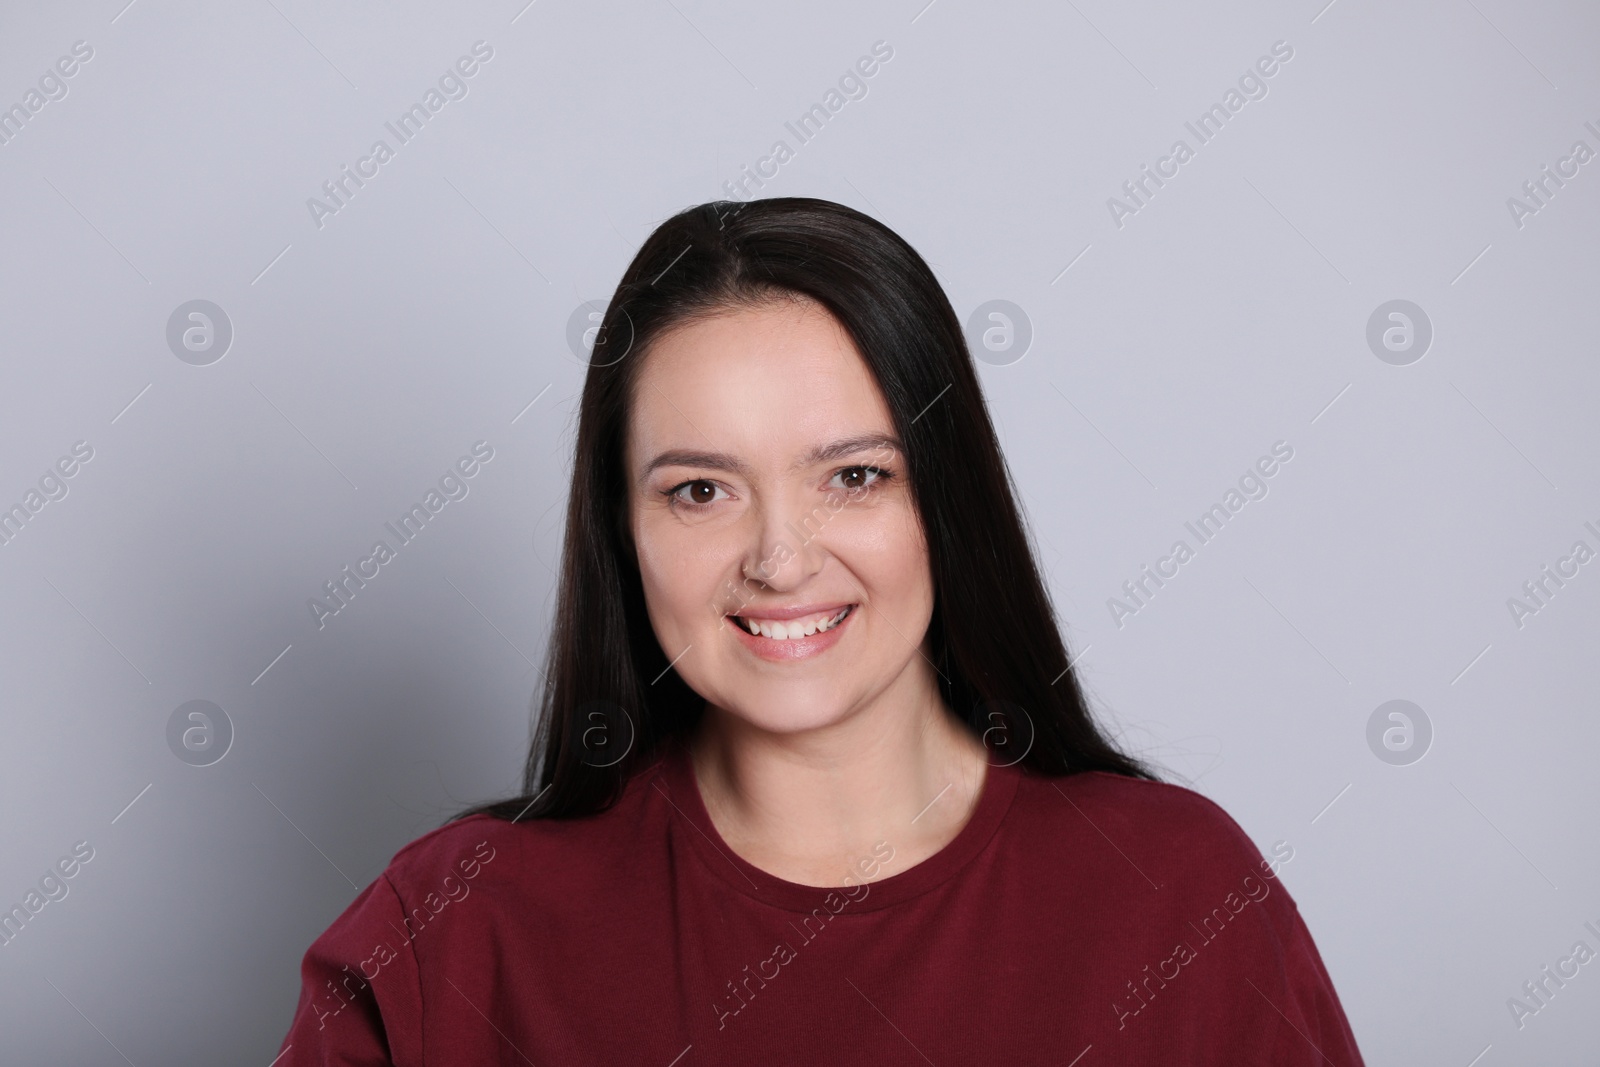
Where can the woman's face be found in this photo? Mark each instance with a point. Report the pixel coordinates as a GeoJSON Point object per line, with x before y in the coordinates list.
{"type": "Point", "coordinates": [769, 494]}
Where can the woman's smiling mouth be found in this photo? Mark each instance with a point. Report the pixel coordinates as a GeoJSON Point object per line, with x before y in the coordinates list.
{"type": "Point", "coordinates": [790, 629]}
{"type": "Point", "coordinates": [790, 633]}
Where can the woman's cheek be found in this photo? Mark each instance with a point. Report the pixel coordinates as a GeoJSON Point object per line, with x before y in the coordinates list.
{"type": "Point", "coordinates": [656, 542]}
{"type": "Point", "coordinates": [884, 547]}
{"type": "Point", "coordinates": [681, 567]}
{"type": "Point", "coordinates": [890, 530]}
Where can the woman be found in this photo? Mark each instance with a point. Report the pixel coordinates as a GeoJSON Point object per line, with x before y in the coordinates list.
{"type": "Point", "coordinates": [813, 780]}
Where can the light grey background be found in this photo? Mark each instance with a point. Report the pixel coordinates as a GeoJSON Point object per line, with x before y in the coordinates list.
{"type": "Point", "coordinates": [1229, 313]}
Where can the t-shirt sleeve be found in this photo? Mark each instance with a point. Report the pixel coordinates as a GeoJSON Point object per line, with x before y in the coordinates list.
{"type": "Point", "coordinates": [360, 995]}
{"type": "Point", "coordinates": [1312, 1027]}
{"type": "Point", "coordinates": [1269, 998]}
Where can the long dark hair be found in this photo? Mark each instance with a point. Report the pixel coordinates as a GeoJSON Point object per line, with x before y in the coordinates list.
{"type": "Point", "coordinates": [609, 700]}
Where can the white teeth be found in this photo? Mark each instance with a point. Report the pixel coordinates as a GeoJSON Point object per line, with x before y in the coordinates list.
{"type": "Point", "coordinates": [775, 630]}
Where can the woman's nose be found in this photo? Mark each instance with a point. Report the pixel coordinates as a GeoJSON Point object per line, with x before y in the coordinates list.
{"type": "Point", "coordinates": [785, 550]}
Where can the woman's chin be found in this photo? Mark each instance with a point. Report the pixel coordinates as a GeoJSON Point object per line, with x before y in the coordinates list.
{"type": "Point", "coordinates": [787, 711]}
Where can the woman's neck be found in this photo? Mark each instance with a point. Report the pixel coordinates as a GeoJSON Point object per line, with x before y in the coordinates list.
{"type": "Point", "coordinates": [810, 807]}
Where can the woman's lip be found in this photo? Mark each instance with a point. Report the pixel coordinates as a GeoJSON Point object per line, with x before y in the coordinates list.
{"type": "Point", "coordinates": [785, 614]}
{"type": "Point", "coordinates": [793, 648]}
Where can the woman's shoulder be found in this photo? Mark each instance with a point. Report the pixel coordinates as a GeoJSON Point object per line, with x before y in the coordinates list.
{"type": "Point", "coordinates": [487, 850]}
{"type": "Point", "coordinates": [462, 849]}
{"type": "Point", "coordinates": [1177, 884]}
{"type": "Point", "coordinates": [1154, 824]}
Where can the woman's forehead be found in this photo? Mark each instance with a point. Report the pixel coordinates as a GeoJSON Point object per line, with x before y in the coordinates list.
{"type": "Point", "coordinates": [767, 382]}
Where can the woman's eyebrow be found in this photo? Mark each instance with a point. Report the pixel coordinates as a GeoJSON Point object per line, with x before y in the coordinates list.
{"type": "Point", "coordinates": [849, 446]}
{"type": "Point", "coordinates": [679, 457]}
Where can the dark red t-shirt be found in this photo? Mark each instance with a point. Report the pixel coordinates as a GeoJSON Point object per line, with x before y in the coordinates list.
{"type": "Point", "coordinates": [1086, 920]}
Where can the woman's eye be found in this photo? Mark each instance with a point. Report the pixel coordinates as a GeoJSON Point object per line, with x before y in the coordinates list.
{"type": "Point", "coordinates": [697, 492]}
{"type": "Point", "coordinates": [855, 478]}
